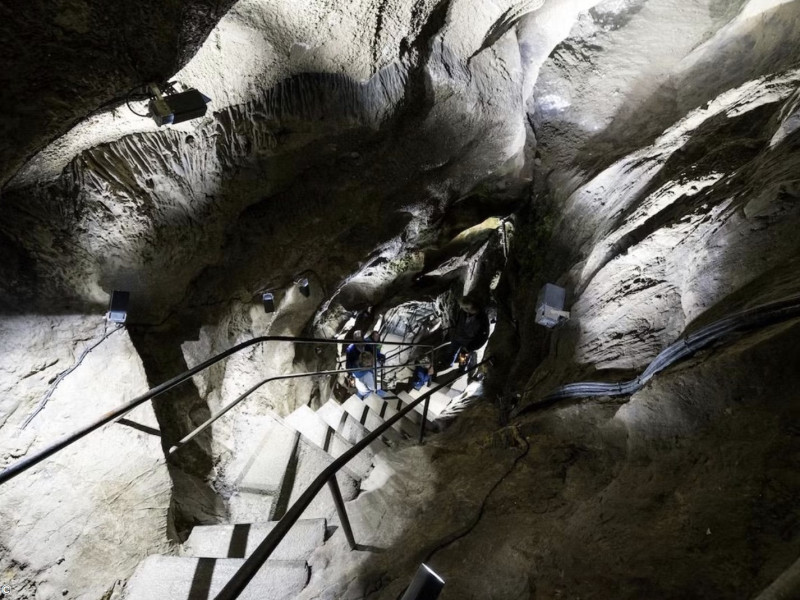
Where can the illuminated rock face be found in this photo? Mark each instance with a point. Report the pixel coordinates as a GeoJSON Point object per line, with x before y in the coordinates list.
{"type": "Point", "coordinates": [674, 194]}
{"type": "Point", "coordinates": [647, 147]}
{"type": "Point", "coordinates": [77, 521]}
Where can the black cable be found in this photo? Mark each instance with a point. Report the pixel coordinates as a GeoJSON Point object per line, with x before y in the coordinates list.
{"type": "Point", "coordinates": [449, 541]}
{"type": "Point", "coordinates": [128, 102]}
{"type": "Point", "coordinates": [760, 316]}
{"type": "Point", "coordinates": [61, 376]}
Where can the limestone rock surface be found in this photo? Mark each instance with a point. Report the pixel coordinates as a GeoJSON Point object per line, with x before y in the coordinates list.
{"type": "Point", "coordinates": [79, 521]}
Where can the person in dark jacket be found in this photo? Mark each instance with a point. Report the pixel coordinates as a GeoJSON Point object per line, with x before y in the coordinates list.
{"type": "Point", "coordinates": [470, 332]}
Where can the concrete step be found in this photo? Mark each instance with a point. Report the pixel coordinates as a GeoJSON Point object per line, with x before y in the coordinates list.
{"type": "Point", "coordinates": [459, 385]}
{"type": "Point", "coordinates": [265, 470]}
{"type": "Point", "coordinates": [346, 424]}
{"type": "Point", "coordinates": [311, 461]}
{"type": "Point", "coordinates": [186, 578]}
{"type": "Point", "coordinates": [392, 336]}
{"type": "Point", "coordinates": [245, 507]}
{"type": "Point", "coordinates": [404, 374]}
{"type": "Point", "coordinates": [318, 432]}
{"type": "Point", "coordinates": [398, 404]}
{"type": "Point", "coordinates": [239, 540]}
{"type": "Point", "coordinates": [361, 411]}
{"type": "Point", "coordinates": [469, 397]}
{"type": "Point", "coordinates": [398, 375]}
{"type": "Point", "coordinates": [387, 410]}
{"type": "Point", "coordinates": [438, 402]}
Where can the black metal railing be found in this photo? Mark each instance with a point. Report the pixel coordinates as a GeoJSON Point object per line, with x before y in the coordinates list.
{"type": "Point", "coordinates": [29, 461]}
{"type": "Point", "coordinates": [256, 560]}
{"type": "Point", "coordinates": [244, 395]}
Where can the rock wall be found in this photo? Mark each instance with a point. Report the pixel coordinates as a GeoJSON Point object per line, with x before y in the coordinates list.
{"type": "Point", "coordinates": [374, 149]}
{"type": "Point", "coordinates": [64, 59]}
{"type": "Point", "coordinates": [693, 223]}
{"type": "Point", "coordinates": [684, 491]}
{"type": "Point", "coordinates": [82, 519]}
{"type": "Point", "coordinates": [648, 149]}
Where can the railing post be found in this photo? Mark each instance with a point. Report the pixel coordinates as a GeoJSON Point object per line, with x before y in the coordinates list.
{"type": "Point", "coordinates": [424, 418]}
{"type": "Point", "coordinates": [375, 367]}
{"type": "Point", "coordinates": [341, 510]}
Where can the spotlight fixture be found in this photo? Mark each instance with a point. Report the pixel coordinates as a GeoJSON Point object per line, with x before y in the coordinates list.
{"type": "Point", "coordinates": [118, 307]}
{"type": "Point", "coordinates": [426, 585]}
{"type": "Point", "coordinates": [170, 107]}
{"type": "Point", "coordinates": [269, 302]}
{"type": "Point", "coordinates": [303, 286]}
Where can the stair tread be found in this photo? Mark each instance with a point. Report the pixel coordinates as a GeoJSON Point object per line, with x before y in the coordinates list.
{"type": "Point", "coordinates": [386, 409]}
{"type": "Point", "coordinates": [314, 429]}
{"type": "Point", "coordinates": [266, 469]}
{"type": "Point", "coordinates": [460, 384]}
{"type": "Point", "coordinates": [346, 424]}
{"type": "Point", "coordinates": [438, 401]}
{"type": "Point", "coordinates": [239, 540]}
{"type": "Point", "coordinates": [368, 417]}
{"type": "Point", "coordinates": [189, 578]}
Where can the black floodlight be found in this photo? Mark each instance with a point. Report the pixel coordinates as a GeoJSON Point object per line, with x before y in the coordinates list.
{"type": "Point", "coordinates": [118, 307]}
{"type": "Point", "coordinates": [176, 107]}
{"type": "Point", "coordinates": [269, 302]}
{"type": "Point", "coordinates": [426, 585]}
{"type": "Point", "coordinates": [302, 284]}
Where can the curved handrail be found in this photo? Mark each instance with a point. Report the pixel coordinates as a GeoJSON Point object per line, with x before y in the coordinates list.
{"type": "Point", "coordinates": [29, 461]}
{"type": "Point", "coordinates": [759, 316]}
{"type": "Point", "coordinates": [207, 423]}
{"type": "Point", "coordinates": [432, 352]}
{"type": "Point", "coordinates": [262, 552]}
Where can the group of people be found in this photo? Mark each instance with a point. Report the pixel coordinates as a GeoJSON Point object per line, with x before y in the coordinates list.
{"type": "Point", "coordinates": [361, 355]}
{"type": "Point", "coordinates": [469, 333]}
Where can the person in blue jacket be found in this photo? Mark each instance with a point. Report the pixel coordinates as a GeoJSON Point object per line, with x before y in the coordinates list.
{"type": "Point", "coordinates": [360, 356]}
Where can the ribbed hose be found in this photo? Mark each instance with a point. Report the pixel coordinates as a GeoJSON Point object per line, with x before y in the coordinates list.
{"type": "Point", "coordinates": [760, 316]}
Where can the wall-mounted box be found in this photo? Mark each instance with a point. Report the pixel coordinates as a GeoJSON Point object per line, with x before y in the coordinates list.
{"type": "Point", "coordinates": [550, 305]}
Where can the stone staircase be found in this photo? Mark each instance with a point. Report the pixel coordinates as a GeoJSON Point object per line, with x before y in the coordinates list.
{"type": "Point", "coordinates": [273, 471]}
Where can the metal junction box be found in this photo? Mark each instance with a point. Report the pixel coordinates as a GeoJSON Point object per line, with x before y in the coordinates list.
{"type": "Point", "coordinates": [118, 307]}
{"type": "Point", "coordinates": [550, 305]}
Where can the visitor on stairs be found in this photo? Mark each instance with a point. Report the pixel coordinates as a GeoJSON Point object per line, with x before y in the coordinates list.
{"type": "Point", "coordinates": [470, 332]}
{"type": "Point", "coordinates": [354, 350]}
{"type": "Point", "coordinates": [365, 378]}
{"type": "Point", "coordinates": [423, 374]}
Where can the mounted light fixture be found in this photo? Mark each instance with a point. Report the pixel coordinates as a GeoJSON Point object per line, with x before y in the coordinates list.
{"type": "Point", "coordinates": [118, 306]}
{"type": "Point", "coordinates": [303, 286]}
{"type": "Point", "coordinates": [426, 585]}
{"type": "Point", "coordinates": [171, 107]}
{"type": "Point", "coordinates": [269, 302]}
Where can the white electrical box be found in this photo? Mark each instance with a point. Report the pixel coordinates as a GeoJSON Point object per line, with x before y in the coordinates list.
{"type": "Point", "coordinates": [550, 305]}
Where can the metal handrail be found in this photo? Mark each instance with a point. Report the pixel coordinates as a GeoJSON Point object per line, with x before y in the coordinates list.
{"type": "Point", "coordinates": [203, 426]}
{"type": "Point", "coordinates": [433, 349]}
{"type": "Point", "coordinates": [255, 561]}
{"type": "Point", "coordinates": [29, 461]}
